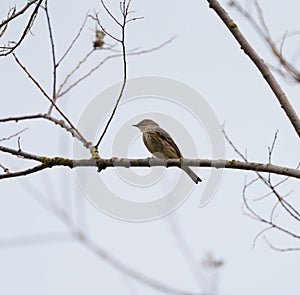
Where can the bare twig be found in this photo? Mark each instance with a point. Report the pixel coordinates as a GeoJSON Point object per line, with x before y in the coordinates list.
{"type": "Point", "coordinates": [94, 69]}
{"type": "Point", "coordinates": [271, 149]}
{"type": "Point", "coordinates": [259, 234]}
{"type": "Point", "coordinates": [264, 33]}
{"type": "Point", "coordinates": [134, 19]}
{"type": "Point", "coordinates": [21, 154]}
{"type": "Point", "coordinates": [281, 249]}
{"type": "Point", "coordinates": [99, 252]}
{"type": "Point", "coordinates": [118, 99]}
{"type": "Point", "coordinates": [270, 223]}
{"type": "Point", "coordinates": [74, 233]}
{"type": "Point", "coordinates": [80, 63]}
{"type": "Point", "coordinates": [295, 214]}
{"type": "Point", "coordinates": [35, 239]}
{"type": "Point", "coordinates": [19, 143]}
{"type": "Point", "coordinates": [54, 65]}
{"type": "Point", "coordinates": [5, 169]}
{"type": "Point", "coordinates": [13, 135]}
{"type": "Point", "coordinates": [84, 141]}
{"type": "Point", "coordinates": [10, 14]}
{"type": "Point", "coordinates": [9, 49]}
{"type": "Point", "coordinates": [260, 64]}
{"type": "Point", "coordinates": [124, 10]}
{"type": "Point", "coordinates": [233, 145]}
{"type": "Point", "coordinates": [96, 18]}
{"type": "Point", "coordinates": [110, 14]}
{"type": "Point", "coordinates": [24, 172]}
{"type": "Point", "coordinates": [18, 13]}
{"type": "Point", "coordinates": [57, 122]}
{"type": "Point", "coordinates": [73, 41]}
{"type": "Point", "coordinates": [20, 118]}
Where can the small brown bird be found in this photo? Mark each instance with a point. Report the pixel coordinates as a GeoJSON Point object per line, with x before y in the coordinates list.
{"type": "Point", "coordinates": [160, 143]}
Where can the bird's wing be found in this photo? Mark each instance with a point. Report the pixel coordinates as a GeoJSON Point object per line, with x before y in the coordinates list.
{"type": "Point", "coordinates": [166, 137]}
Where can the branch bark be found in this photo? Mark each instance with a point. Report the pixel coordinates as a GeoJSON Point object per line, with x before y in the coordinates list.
{"type": "Point", "coordinates": [259, 62]}
{"type": "Point", "coordinates": [148, 162]}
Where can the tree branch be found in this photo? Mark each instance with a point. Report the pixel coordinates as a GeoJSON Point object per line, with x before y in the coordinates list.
{"type": "Point", "coordinates": [16, 14]}
{"type": "Point", "coordinates": [54, 73]}
{"type": "Point", "coordinates": [82, 139]}
{"type": "Point", "coordinates": [9, 49]}
{"type": "Point", "coordinates": [259, 62]}
{"type": "Point", "coordinates": [122, 42]}
{"type": "Point", "coordinates": [47, 117]}
{"type": "Point", "coordinates": [153, 162]}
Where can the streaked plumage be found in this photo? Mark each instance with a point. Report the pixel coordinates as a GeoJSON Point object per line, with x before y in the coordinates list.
{"type": "Point", "coordinates": [160, 143]}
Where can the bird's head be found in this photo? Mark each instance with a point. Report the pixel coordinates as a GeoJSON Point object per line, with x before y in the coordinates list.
{"type": "Point", "coordinates": [146, 123]}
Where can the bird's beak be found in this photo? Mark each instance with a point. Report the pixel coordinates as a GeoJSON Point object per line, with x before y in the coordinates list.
{"type": "Point", "coordinates": [134, 125]}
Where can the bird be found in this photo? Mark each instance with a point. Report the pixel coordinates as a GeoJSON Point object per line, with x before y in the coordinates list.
{"type": "Point", "coordinates": [160, 144]}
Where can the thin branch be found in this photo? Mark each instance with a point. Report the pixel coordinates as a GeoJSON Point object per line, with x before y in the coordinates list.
{"type": "Point", "coordinates": [131, 53]}
{"type": "Point", "coordinates": [124, 11]}
{"type": "Point", "coordinates": [20, 118]}
{"type": "Point", "coordinates": [259, 234]}
{"type": "Point", "coordinates": [5, 169]}
{"type": "Point", "coordinates": [57, 122]}
{"type": "Point", "coordinates": [110, 14]}
{"type": "Point", "coordinates": [9, 49]}
{"type": "Point", "coordinates": [271, 224]}
{"type": "Point", "coordinates": [259, 62]}
{"type": "Point", "coordinates": [13, 135]}
{"type": "Point", "coordinates": [281, 249]}
{"type": "Point", "coordinates": [32, 78]}
{"type": "Point", "coordinates": [134, 19]}
{"type": "Point", "coordinates": [80, 63]}
{"type": "Point", "coordinates": [73, 42]}
{"type": "Point", "coordinates": [21, 154]}
{"type": "Point", "coordinates": [270, 152]}
{"type": "Point", "coordinates": [10, 13]}
{"type": "Point", "coordinates": [16, 14]}
{"type": "Point", "coordinates": [274, 186]}
{"type": "Point", "coordinates": [96, 18]}
{"type": "Point", "coordinates": [81, 236]}
{"type": "Point", "coordinates": [233, 145]}
{"type": "Point", "coordinates": [54, 74]}
{"type": "Point", "coordinates": [19, 143]}
{"type": "Point", "coordinates": [24, 172]}
{"type": "Point", "coordinates": [279, 202]}
{"type": "Point", "coordinates": [84, 141]}
{"type": "Point", "coordinates": [271, 149]}
{"type": "Point", "coordinates": [35, 239]}
{"type": "Point", "coordinates": [285, 205]}
{"type": "Point", "coordinates": [119, 97]}
{"type": "Point", "coordinates": [56, 64]}
{"type": "Point", "coordinates": [263, 31]}
{"type": "Point", "coordinates": [278, 53]}
{"type": "Point", "coordinates": [94, 248]}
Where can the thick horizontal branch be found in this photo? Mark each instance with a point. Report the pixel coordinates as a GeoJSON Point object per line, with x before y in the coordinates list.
{"type": "Point", "coordinates": [153, 162]}
{"type": "Point", "coordinates": [147, 162]}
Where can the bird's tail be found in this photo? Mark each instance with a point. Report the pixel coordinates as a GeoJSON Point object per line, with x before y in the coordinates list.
{"type": "Point", "coordinates": [191, 174]}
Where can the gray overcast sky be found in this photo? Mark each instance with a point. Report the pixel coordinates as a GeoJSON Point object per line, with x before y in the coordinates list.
{"type": "Point", "coordinates": [169, 249]}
